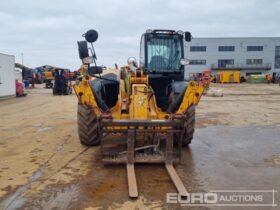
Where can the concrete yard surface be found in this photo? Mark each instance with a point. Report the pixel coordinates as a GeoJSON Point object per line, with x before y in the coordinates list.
{"type": "Point", "coordinates": [236, 147]}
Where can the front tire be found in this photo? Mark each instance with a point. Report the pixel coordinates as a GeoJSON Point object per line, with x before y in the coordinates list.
{"type": "Point", "coordinates": [189, 126]}
{"type": "Point", "coordinates": [88, 126]}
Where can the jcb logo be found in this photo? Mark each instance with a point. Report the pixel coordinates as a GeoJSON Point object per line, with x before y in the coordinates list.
{"type": "Point", "coordinates": [141, 101]}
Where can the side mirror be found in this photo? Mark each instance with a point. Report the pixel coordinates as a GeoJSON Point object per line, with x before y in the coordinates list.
{"type": "Point", "coordinates": [91, 36]}
{"type": "Point", "coordinates": [184, 61]}
{"type": "Point", "coordinates": [188, 36]}
{"type": "Point", "coordinates": [83, 49]}
{"type": "Point", "coordinates": [131, 61]}
{"type": "Point", "coordinates": [95, 70]}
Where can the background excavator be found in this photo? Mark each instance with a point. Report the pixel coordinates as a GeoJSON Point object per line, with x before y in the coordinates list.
{"type": "Point", "coordinates": [148, 109]}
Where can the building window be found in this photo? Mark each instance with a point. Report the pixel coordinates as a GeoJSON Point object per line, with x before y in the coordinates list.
{"type": "Point", "coordinates": [224, 63]}
{"type": "Point", "coordinates": [254, 61]}
{"type": "Point", "coordinates": [197, 62]}
{"type": "Point", "coordinates": [226, 48]}
{"type": "Point", "coordinates": [254, 48]}
{"type": "Point", "coordinates": [277, 57]}
{"type": "Point", "coordinates": [198, 48]}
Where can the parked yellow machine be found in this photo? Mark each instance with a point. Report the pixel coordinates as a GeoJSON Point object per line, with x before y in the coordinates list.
{"type": "Point", "coordinates": [48, 75]}
{"type": "Point", "coordinates": [149, 104]}
{"type": "Point", "coordinates": [229, 76]}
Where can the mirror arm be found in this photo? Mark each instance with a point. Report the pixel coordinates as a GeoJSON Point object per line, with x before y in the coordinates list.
{"type": "Point", "coordinates": [93, 54]}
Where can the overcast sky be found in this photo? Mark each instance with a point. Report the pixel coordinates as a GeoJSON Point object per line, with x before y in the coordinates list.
{"type": "Point", "coordinates": [46, 31]}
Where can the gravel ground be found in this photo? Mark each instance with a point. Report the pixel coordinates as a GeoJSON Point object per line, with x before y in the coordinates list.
{"type": "Point", "coordinates": [43, 166]}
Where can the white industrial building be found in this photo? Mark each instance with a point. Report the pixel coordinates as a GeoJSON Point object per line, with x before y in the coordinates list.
{"type": "Point", "coordinates": [249, 55]}
{"type": "Point", "coordinates": [7, 76]}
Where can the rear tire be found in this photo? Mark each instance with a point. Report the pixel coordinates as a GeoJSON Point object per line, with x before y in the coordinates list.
{"type": "Point", "coordinates": [66, 91]}
{"type": "Point", "coordinates": [88, 126]}
{"type": "Point", "coordinates": [54, 91]}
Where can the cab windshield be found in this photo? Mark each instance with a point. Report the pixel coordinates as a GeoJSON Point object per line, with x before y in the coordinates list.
{"type": "Point", "coordinates": [164, 53]}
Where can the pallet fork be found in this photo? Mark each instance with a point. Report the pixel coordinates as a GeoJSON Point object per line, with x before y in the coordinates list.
{"type": "Point", "coordinates": [130, 156]}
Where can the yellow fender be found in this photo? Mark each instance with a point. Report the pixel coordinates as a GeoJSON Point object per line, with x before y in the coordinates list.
{"type": "Point", "coordinates": [85, 96]}
{"type": "Point", "coordinates": [192, 97]}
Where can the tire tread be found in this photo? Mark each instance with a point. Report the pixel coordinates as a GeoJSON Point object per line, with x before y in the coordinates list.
{"type": "Point", "coordinates": [88, 126]}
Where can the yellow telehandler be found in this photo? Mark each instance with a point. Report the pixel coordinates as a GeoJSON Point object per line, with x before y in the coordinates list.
{"type": "Point", "coordinates": [143, 113]}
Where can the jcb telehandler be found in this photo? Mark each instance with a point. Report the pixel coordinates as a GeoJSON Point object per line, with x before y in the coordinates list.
{"type": "Point", "coordinates": [143, 114]}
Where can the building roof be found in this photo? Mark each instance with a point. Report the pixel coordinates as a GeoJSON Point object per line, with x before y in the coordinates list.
{"type": "Point", "coordinates": [6, 54]}
{"type": "Point", "coordinates": [237, 37]}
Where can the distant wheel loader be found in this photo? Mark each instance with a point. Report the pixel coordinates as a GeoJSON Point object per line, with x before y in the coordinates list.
{"type": "Point", "coordinates": [150, 105]}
